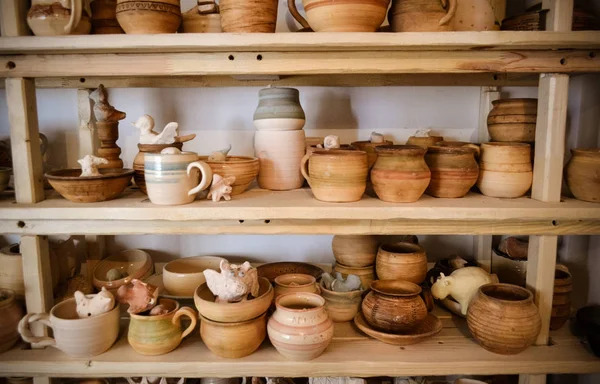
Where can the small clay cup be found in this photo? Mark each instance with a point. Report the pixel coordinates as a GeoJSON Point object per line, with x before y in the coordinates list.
{"type": "Point", "coordinates": [401, 261]}
{"type": "Point", "coordinates": [295, 282]}
{"type": "Point", "coordinates": [233, 340]}
{"type": "Point", "coordinates": [355, 250]}
{"type": "Point", "coordinates": [341, 306]}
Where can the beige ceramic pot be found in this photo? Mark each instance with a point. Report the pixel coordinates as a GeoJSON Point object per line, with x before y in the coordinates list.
{"type": "Point", "coordinates": [280, 154]}
{"type": "Point", "coordinates": [149, 16]}
{"type": "Point", "coordinates": [248, 15]}
{"type": "Point", "coordinates": [366, 274]}
{"type": "Point", "coordinates": [426, 142]}
{"type": "Point", "coordinates": [513, 120]}
{"type": "Point", "coordinates": [475, 15]}
{"type": "Point", "coordinates": [157, 335]}
{"type": "Point", "coordinates": [87, 337]}
{"type": "Point", "coordinates": [196, 21]}
{"type": "Point", "coordinates": [454, 170]}
{"type": "Point", "coordinates": [182, 276]}
{"type": "Point", "coordinates": [131, 263]}
{"type": "Point", "coordinates": [233, 340]}
{"type": "Point", "coordinates": [336, 176]}
{"type": "Point", "coordinates": [355, 250]}
{"type": "Point", "coordinates": [505, 169]}
{"type": "Point", "coordinates": [341, 16]}
{"type": "Point", "coordinates": [402, 261]}
{"type": "Point", "coordinates": [11, 312]}
{"type": "Point", "coordinates": [422, 15]}
{"type": "Point", "coordinates": [400, 174]}
{"type": "Point", "coordinates": [138, 161]}
{"type": "Point", "coordinates": [300, 328]}
{"type": "Point", "coordinates": [583, 174]}
{"type": "Point", "coordinates": [369, 147]}
{"type": "Point", "coordinates": [295, 282]}
{"type": "Point", "coordinates": [59, 17]}
{"type": "Point", "coordinates": [245, 169]}
{"type": "Point", "coordinates": [341, 306]}
{"type": "Point", "coordinates": [104, 17]}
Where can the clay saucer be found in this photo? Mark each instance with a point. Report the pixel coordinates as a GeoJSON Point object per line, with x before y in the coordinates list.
{"type": "Point", "coordinates": [430, 327]}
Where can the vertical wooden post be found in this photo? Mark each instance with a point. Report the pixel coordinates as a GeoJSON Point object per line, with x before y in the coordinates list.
{"type": "Point", "coordinates": [14, 18]}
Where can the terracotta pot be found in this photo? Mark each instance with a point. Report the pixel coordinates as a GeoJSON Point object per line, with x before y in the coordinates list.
{"type": "Point", "coordinates": [233, 340]}
{"type": "Point", "coordinates": [505, 169]}
{"type": "Point", "coordinates": [149, 16]}
{"type": "Point", "coordinates": [400, 174]}
{"type": "Point", "coordinates": [369, 147]}
{"type": "Point", "coordinates": [53, 17]}
{"type": "Point", "coordinates": [355, 250]}
{"type": "Point", "coordinates": [583, 174]}
{"type": "Point", "coordinates": [454, 170]}
{"type": "Point", "coordinates": [157, 335]}
{"type": "Point", "coordinates": [341, 16]}
{"type": "Point", "coordinates": [134, 263]}
{"type": "Point", "coordinates": [195, 21]}
{"type": "Point", "coordinates": [394, 306]}
{"type": "Point", "coordinates": [248, 15]}
{"type": "Point", "coordinates": [421, 15]}
{"type": "Point", "coordinates": [402, 261]}
{"type": "Point", "coordinates": [424, 141]}
{"type": "Point", "coordinates": [366, 274]}
{"type": "Point", "coordinates": [90, 189]}
{"type": "Point", "coordinates": [513, 120]}
{"type": "Point", "coordinates": [475, 15]}
{"type": "Point", "coordinates": [295, 282]}
{"type": "Point", "coordinates": [10, 313]}
{"type": "Point", "coordinates": [138, 161]}
{"type": "Point", "coordinates": [87, 337]}
{"type": "Point", "coordinates": [244, 168]}
{"type": "Point", "coordinates": [300, 328]}
{"type": "Point", "coordinates": [279, 109]}
{"type": "Point", "coordinates": [341, 306]}
{"type": "Point", "coordinates": [503, 318]}
{"type": "Point", "coordinates": [561, 299]}
{"type": "Point", "coordinates": [182, 276]}
{"type": "Point", "coordinates": [104, 17]}
{"type": "Point", "coordinates": [279, 154]}
{"type": "Point", "coordinates": [335, 175]}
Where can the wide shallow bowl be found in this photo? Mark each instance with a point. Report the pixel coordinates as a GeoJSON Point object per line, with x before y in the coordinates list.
{"type": "Point", "coordinates": [135, 262]}
{"type": "Point", "coordinates": [272, 270]}
{"type": "Point", "coordinates": [233, 312]}
{"type": "Point", "coordinates": [430, 327]}
{"type": "Point", "coordinates": [182, 276]}
{"type": "Point", "coordinates": [244, 168]}
{"type": "Point", "coordinates": [90, 189]}
{"type": "Point", "coordinates": [233, 340]}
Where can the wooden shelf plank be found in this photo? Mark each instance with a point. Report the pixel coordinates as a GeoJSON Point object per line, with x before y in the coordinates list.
{"type": "Point", "coordinates": [297, 212]}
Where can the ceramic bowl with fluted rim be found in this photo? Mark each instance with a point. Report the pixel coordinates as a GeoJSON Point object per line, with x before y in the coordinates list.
{"type": "Point", "coordinates": [182, 276]}
{"type": "Point", "coordinates": [137, 264]}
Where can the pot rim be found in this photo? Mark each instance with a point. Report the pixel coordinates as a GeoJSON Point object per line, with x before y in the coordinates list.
{"type": "Point", "coordinates": [518, 99]}
{"type": "Point", "coordinates": [396, 284]}
{"type": "Point", "coordinates": [587, 152]}
{"type": "Point", "coordinates": [232, 324]}
{"type": "Point", "coordinates": [150, 147]}
{"type": "Point", "coordinates": [401, 148]}
{"type": "Point", "coordinates": [230, 160]}
{"type": "Point", "coordinates": [394, 248]}
{"type": "Point", "coordinates": [528, 295]}
{"type": "Point", "coordinates": [97, 317]}
{"type": "Point", "coordinates": [158, 317]}
{"type": "Point", "coordinates": [368, 267]}
{"type": "Point", "coordinates": [505, 144]}
{"type": "Point", "coordinates": [311, 280]}
{"type": "Point", "coordinates": [451, 149]}
{"type": "Point", "coordinates": [311, 296]}
{"type": "Point", "coordinates": [10, 297]}
{"type": "Point", "coordinates": [339, 152]}
{"type": "Point", "coordinates": [356, 292]}
{"type": "Point", "coordinates": [115, 173]}
{"type": "Point", "coordinates": [368, 142]}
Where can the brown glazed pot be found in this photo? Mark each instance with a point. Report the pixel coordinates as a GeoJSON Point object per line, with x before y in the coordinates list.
{"type": "Point", "coordinates": [561, 299]}
{"type": "Point", "coordinates": [149, 17]}
{"type": "Point", "coordinates": [138, 161]}
{"type": "Point", "coordinates": [400, 174]}
{"type": "Point", "coordinates": [454, 170]}
{"type": "Point", "coordinates": [513, 120]}
{"type": "Point", "coordinates": [248, 15]}
{"type": "Point", "coordinates": [355, 250]}
{"type": "Point", "coordinates": [401, 261]}
{"type": "Point", "coordinates": [394, 306]}
{"type": "Point", "coordinates": [421, 15]}
{"type": "Point", "coordinates": [10, 314]}
{"type": "Point", "coordinates": [583, 174]}
{"type": "Point", "coordinates": [104, 17]}
{"type": "Point", "coordinates": [365, 274]}
{"type": "Point", "coordinates": [504, 319]}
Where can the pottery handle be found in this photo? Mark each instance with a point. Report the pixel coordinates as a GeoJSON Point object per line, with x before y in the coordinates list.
{"type": "Point", "coordinates": [296, 14]}
{"type": "Point", "coordinates": [304, 167]}
{"type": "Point", "coordinates": [206, 175]}
{"type": "Point", "coordinates": [451, 11]}
{"type": "Point", "coordinates": [475, 147]}
{"type": "Point", "coordinates": [25, 329]}
{"type": "Point", "coordinates": [76, 11]}
{"type": "Point", "coordinates": [189, 312]}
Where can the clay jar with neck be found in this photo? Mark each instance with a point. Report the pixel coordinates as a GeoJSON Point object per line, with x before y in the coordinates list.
{"type": "Point", "coordinates": [454, 170]}
{"type": "Point", "coordinates": [138, 161]}
{"type": "Point", "coordinates": [400, 174]}
{"type": "Point", "coordinates": [583, 174]}
{"type": "Point", "coordinates": [505, 169]}
{"type": "Point", "coordinates": [10, 313]}
{"type": "Point", "coordinates": [59, 17]}
{"type": "Point", "coordinates": [279, 109]}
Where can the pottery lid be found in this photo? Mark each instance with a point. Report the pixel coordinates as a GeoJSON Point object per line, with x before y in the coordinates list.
{"type": "Point", "coordinates": [401, 149]}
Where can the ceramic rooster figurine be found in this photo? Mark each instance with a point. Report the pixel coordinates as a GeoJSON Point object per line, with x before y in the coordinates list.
{"type": "Point", "coordinates": [233, 283]}
{"type": "Point", "coordinates": [102, 109]}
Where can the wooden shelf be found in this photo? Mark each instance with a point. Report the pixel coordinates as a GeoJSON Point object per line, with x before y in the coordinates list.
{"type": "Point", "coordinates": [297, 212]}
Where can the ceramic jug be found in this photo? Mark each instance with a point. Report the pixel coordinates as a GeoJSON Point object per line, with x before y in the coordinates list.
{"type": "Point", "coordinates": [59, 17]}
{"type": "Point", "coordinates": [341, 15]}
{"type": "Point", "coordinates": [422, 15]}
{"type": "Point", "coordinates": [475, 15]}
{"type": "Point", "coordinates": [583, 174]}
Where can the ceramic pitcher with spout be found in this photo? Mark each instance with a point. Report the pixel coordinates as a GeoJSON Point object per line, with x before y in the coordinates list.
{"type": "Point", "coordinates": [422, 15]}
{"type": "Point", "coordinates": [59, 17]}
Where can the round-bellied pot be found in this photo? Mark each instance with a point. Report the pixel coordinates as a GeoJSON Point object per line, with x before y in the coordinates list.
{"type": "Point", "coordinates": [104, 17]}
{"type": "Point", "coordinates": [341, 306]}
{"type": "Point", "coordinates": [561, 298]}
{"type": "Point", "coordinates": [454, 170]}
{"type": "Point", "coordinates": [233, 340]}
{"type": "Point", "coordinates": [244, 168]}
{"type": "Point", "coordinates": [400, 174]}
{"type": "Point", "coordinates": [401, 261]}
{"type": "Point", "coordinates": [426, 141]}
{"type": "Point", "coordinates": [366, 274]}
{"type": "Point", "coordinates": [341, 16]}
{"type": "Point", "coordinates": [513, 120]}
{"type": "Point", "coordinates": [583, 174]}
{"type": "Point", "coordinates": [421, 15]}
{"type": "Point", "coordinates": [394, 306]}
{"type": "Point", "coordinates": [503, 318]}
{"type": "Point", "coordinates": [279, 154]}
{"type": "Point", "coordinates": [295, 282]}
{"type": "Point", "coordinates": [369, 147]}
{"type": "Point", "coordinates": [279, 109]}
{"type": "Point", "coordinates": [149, 16]}
{"type": "Point", "coordinates": [300, 328]}
{"type": "Point", "coordinates": [10, 313]}
{"type": "Point", "coordinates": [505, 169]}
{"type": "Point", "coordinates": [138, 161]}
{"type": "Point", "coordinates": [248, 15]}
{"type": "Point", "coordinates": [355, 250]}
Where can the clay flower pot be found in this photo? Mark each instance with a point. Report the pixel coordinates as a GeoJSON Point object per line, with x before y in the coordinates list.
{"type": "Point", "coordinates": [513, 120]}
{"type": "Point", "coordinates": [421, 15]}
{"type": "Point", "coordinates": [149, 16]}
{"type": "Point", "coordinates": [454, 170]}
{"type": "Point", "coordinates": [355, 250]}
{"type": "Point", "coordinates": [401, 261]}
{"type": "Point", "coordinates": [279, 154]}
{"type": "Point", "coordinates": [400, 174]}
{"type": "Point", "coordinates": [583, 174]}
{"type": "Point", "coordinates": [295, 282]}
{"type": "Point", "coordinates": [341, 306]}
{"type": "Point", "coordinates": [341, 16]}
{"type": "Point", "coordinates": [10, 313]}
{"type": "Point", "coordinates": [244, 168]}
{"type": "Point", "coordinates": [505, 169]}
{"type": "Point", "coordinates": [503, 318]}
{"type": "Point", "coordinates": [233, 340]}
{"type": "Point", "coordinates": [300, 328]}
{"type": "Point", "coordinates": [248, 15]}
{"type": "Point", "coordinates": [138, 161]}
{"type": "Point", "coordinates": [366, 274]}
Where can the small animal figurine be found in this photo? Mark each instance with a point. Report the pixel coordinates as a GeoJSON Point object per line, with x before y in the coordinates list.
{"type": "Point", "coordinates": [220, 188]}
{"type": "Point", "coordinates": [147, 135]}
{"type": "Point", "coordinates": [331, 142]}
{"type": "Point", "coordinates": [103, 111]}
{"type": "Point", "coordinates": [462, 285]}
{"type": "Point", "coordinates": [139, 295]}
{"type": "Point", "coordinates": [233, 283]}
{"type": "Point", "coordinates": [220, 155]}
{"type": "Point", "coordinates": [89, 165]}
{"type": "Point", "coordinates": [376, 138]}
{"type": "Point", "coordinates": [159, 310]}
{"type": "Point", "coordinates": [93, 305]}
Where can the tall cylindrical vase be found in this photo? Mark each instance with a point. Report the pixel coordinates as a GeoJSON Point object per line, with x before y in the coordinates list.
{"type": "Point", "coordinates": [279, 154]}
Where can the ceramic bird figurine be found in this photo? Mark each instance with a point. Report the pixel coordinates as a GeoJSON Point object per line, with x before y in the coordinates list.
{"type": "Point", "coordinates": [89, 165]}
{"type": "Point", "coordinates": [376, 138]}
{"type": "Point", "coordinates": [220, 155]}
{"type": "Point", "coordinates": [145, 124]}
{"type": "Point", "coordinates": [233, 283]}
{"type": "Point", "coordinates": [102, 109]}
{"type": "Point", "coordinates": [93, 305]}
{"type": "Point", "coordinates": [139, 295]}
{"type": "Point", "coordinates": [331, 142]}
{"type": "Point", "coordinates": [220, 188]}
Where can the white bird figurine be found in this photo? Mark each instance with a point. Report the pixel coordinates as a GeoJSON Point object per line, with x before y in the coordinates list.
{"type": "Point", "coordinates": [220, 155]}
{"type": "Point", "coordinates": [148, 136]}
{"type": "Point", "coordinates": [220, 188]}
{"type": "Point", "coordinates": [89, 165]}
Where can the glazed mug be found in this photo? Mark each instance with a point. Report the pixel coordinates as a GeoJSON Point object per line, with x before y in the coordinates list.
{"type": "Point", "coordinates": [173, 179]}
{"type": "Point", "coordinates": [86, 337]}
{"type": "Point", "coordinates": [157, 335]}
{"type": "Point", "coordinates": [336, 176]}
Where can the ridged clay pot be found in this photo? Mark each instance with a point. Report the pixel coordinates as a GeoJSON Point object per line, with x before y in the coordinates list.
{"type": "Point", "coordinates": [355, 250]}
{"type": "Point", "coordinates": [369, 147]}
{"type": "Point", "coordinates": [300, 328]}
{"type": "Point", "coordinates": [341, 16]}
{"type": "Point", "coordinates": [454, 170]}
{"type": "Point", "coordinates": [280, 154]}
{"type": "Point", "coordinates": [503, 318]}
{"type": "Point", "coordinates": [513, 120]}
{"type": "Point", "coordinates": [294, 283]}
{"type": "Point", "coordinates": [10, 313]}
{"type": "Point", "coordinates": [425, 142]}
{"type": "Point", "coordinates": [248, 15]}
{"type": "Point", "coordinates": [366, 274]}
{"type": "Point", "coordinates": [400, 174]}
{"type": "Point", "coordinates": [279, 109]}
{"type": "Point", "coordinates": [401, 261]}
{"type": "Point", "coordinates": [583, 174]}
{"type": "Point", "coordinates": [233, 340]}
{"type": "Point", "coordinates": [149, 17]}
{"type": "Point", "coordinates": [138, 161]}
{"type": "Point", "coordinates": [505, 169]}
{"type": "Point", "coordinates": [244, 168]}
{"type": "Point", "coordinates": [421, 15]}
{"type": "Point", "coordinates": [104, 17]}
{"type": "Point", "coordinates": [341, 306]}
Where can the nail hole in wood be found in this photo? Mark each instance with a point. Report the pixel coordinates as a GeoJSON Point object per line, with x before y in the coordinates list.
{"type": "Point", "coordinates": [21, 224]}
{"type": "Point", "coordinates": [495, 77]}
{"type": "Point", "coordinates": [402, 348]}
{"type": "Point", "coordinates": [259, 57]}
{"type": "Point", "coordinates": [82, 80]}
{"type": "Point", "coordinates": [563, 61]}
{"type": "Point", "coordinates": [592, 55]}
{"type": "Point", "coordinates": [231, 57]}
{"type": "Point", "coordinates": [554, 223]}
{"type": "Point", "coordinates": [11, 65]}
{"type": "Point", "coordinates": [440, 342]}
{"type": "Point", "coordinates": [267, 221]}
{"type": "Point", "coordinates": [241, 221]}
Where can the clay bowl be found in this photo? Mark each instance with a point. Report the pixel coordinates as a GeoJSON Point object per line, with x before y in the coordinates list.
{"type": "Point", "coordinates": [245, 169]}
{"type": "Point", "coordinates": [233, 340]}
{"type": "Point", "coordinates": [90, 189]}
{"type": "Point", "coordinates": [341, 306]}
{"type": "Point", "coordinates": [149, 17]}
{"type": "Point", "coordinates": [233, 312]}
{"type": "Point", "coordinates": [355, 250]}
{"type": "Point", "coordinates": [4, 177]}
{"type": "Point", "coordinates": [271, 270]}
{"type": "Point", "coordinates": [366, 274]}
{"type": "Point", "coordinates": [135, 262]}
{"type": "Point", "coordinates": [588, 320]}
{"type": "Point", "coordinates": [182, 276]}
{"type": "Point", "coordinates": [428, 328]}
{"type": "Point", "coordinates": [295, 282]}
